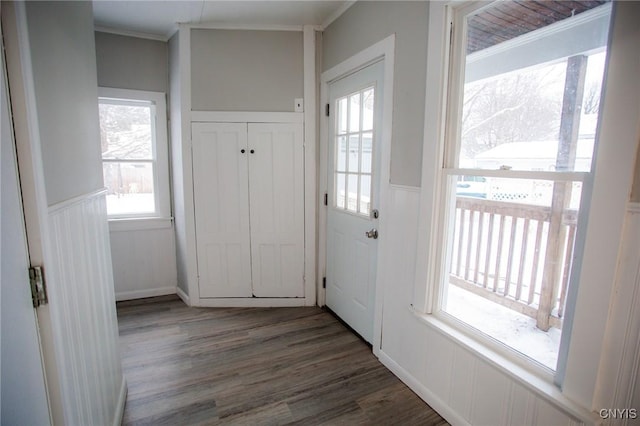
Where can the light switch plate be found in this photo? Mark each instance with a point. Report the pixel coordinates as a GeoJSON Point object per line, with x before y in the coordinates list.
{"type": "Point", "coordinates": [298, 105]}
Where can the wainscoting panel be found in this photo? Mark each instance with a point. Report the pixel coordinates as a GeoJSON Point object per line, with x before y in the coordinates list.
{"type": "Point", "coordinates": [144, 261]}
{"type": "Point", "coordinates": [83, 315]}
{"type": "Point", "coordinates": [619, 377]}
{"type": "Point", "coordinates": [460, 384]}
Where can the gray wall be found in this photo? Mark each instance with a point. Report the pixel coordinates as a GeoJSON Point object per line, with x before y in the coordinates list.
{"type": "Point", "coordinates": [366, 23]}
{"type": "Point", "coordinates": [132, 62]}
{"type": "Point", "coordinates": [234, 70]}
{"type": "Point", "coordinates": [64, 72]}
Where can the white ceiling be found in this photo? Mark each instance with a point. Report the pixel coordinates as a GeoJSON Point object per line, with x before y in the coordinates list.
{"type": "Point", "coordinates": [159, 18]}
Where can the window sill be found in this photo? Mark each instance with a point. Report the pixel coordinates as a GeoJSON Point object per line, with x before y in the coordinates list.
{"type": "Point", "coordinates": [140, 224]}
{"type": "Point", "coordinates": [537, 382]}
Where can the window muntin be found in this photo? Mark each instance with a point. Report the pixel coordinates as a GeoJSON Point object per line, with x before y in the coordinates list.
{"type": "Point", "coordinates": [134, 157]}
{"type": "Point", "coordinates": [353, 142]}
{"type": "Point", "coordinates": [520, 143]}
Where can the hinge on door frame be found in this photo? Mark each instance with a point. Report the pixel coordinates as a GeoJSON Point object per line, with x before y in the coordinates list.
{"type": "Point", "coordinates": [326, 199]}
{"type": "Point", "coordinates": [327, 110]}
{"type": "Point", "coordinates": [324, 282]}
{"type": "Point", "coordinates": [38, 286]}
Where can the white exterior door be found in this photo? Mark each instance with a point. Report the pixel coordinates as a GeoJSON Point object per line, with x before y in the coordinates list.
{"type": "Point", "coordinates": [221, 198]}
{"type": "Point", "coordinates": [22, 389]}
{"type": "Point", "coordinates": [276, 200]}
{"type": "Point", "coordinates": [353, 182]}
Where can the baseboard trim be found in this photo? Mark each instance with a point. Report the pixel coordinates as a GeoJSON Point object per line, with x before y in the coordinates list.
{"type": "Point", "coordinates": [141, 294]}
{"type": "Point", "coordinates": [184, 296]}
{"type": "Point", "coordinates": [251, 302]}
{"type": "Point", "coordinates": [122, 401]}
{"type": "Point", "coordinates": [425, 394]}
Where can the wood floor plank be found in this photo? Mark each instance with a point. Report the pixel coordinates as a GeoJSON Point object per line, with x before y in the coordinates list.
{"type": "Point", "coordinates": [254, 366]}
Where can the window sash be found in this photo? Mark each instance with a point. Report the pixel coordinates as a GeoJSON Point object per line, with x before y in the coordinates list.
{"type": "Point", "coordinates": [520, 174]}
{"type": "Point", "coordinates": [445, 194]}
{"type": "Point", "coordinates": [159, 149]}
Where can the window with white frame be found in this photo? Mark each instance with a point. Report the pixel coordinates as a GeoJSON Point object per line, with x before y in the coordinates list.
{"type": "Point", "coordinates": [133, 140]}
{"type": "Point", "coordinates": [522, 113]}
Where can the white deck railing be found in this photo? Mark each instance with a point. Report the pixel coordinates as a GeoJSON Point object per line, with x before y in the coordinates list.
{"type": "Point", "coordinates": [499, 253]}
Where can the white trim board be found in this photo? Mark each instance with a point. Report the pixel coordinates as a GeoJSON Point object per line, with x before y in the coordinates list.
{"type": "Point", "coordinates": [122, 400]}
{"type": "Point", "coordinates": [382, 50]}
{"type": "Point", "coordinates": [182, 295]}
{"type": "Point", "coordinates": [139, 224]}
{"type": "Point", "coordinates": [141, 294]}
{"type": "Point", "coordinates": [62, 205]}
{"type": "Point", "coordinates": [253, 302]}
{"type": "Point", "coordinates": [129, 33]}
{"type": "Point", "coordinates": [247, 117]}
{"type": "Point", "coordinates": [310, 161]}
{"type": "Point", "coordinates": [191, 265]}
{"type": "Point", "coordinates": [243, 27]}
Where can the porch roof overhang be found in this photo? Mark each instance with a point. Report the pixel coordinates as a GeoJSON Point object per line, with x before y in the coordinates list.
{"type": "Point", "coordinates": [547, 44]}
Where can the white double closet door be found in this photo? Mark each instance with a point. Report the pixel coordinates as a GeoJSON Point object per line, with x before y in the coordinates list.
{"type": "Point", "coordinates": [249, 209]}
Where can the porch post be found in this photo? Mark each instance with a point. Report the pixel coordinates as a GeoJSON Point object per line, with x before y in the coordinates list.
{"type": "Point", "coordinates": [566, 159]}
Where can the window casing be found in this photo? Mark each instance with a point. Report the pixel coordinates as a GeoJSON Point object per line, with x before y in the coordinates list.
{"type": "Point", "coordinates": [134, 148]}
{"type": "Point", "coordinates": [506, 221]}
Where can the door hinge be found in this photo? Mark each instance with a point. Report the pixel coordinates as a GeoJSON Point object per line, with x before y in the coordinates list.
{"type": "Point", "coordinates": [326, 199]}
{"type": "Point", "coordinates": [327, 110]}
{"type": "Point", "coordinates": [38, 286]}
{"type": "Point", "coordinates": [324, 282]}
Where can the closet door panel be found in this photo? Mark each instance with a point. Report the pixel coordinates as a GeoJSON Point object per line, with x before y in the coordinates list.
{"type": "Point", "coordinates": [221, 202]}
{"type": "Point", "coordinates": [276, 194]}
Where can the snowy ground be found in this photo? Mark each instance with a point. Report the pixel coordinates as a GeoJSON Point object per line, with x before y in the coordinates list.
{"type": "Point", "coordinates": [505, 325]}
{"type": "Point", "coordinates": [130, 204]}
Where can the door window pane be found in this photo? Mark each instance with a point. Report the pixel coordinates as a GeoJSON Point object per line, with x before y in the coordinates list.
{"type": "Point", "coordinates": [367, 152]}
{"type": "Point", "coordinates": [341, 155]}
{"type": "Point", "coordinates": [353, 147]}
{"type": "Point", "coordinates": [341, 190]}
{"type": "Point", "coordinates": [354, 153]}
{"type": "Point", "coordinates": [352, 193]}
{"type": "Point", "coordinates": [365, 194]}
{"type": "Point", "coordinates": [367, 109]}
{"type": "Point", "coordinates": [342, 116]}
{"type": "Point", "coordinates": [354, 113]}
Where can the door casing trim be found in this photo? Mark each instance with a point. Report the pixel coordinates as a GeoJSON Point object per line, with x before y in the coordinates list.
{"type": "Point", "coordinates": [382, 50]}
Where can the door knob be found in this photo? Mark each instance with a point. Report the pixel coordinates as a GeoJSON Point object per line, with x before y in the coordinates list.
{"type": "Point", "coordinates": [372, 234]}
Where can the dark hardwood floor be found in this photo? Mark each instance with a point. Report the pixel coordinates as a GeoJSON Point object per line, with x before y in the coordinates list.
{"type": "Point", "coordinates": [255, 366]}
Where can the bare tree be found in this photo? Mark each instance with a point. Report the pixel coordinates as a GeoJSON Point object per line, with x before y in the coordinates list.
{"type": "Point", "coordinates": [592, 98]}
{"type": "Point", "coordinates": [510, 108]}
{"type": "Point", "coordinates": [125, 131]}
